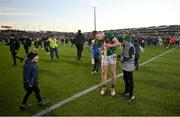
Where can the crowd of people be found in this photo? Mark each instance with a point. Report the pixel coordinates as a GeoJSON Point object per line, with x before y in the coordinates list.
{"type": "Point", "coordinates": [103, 47]}
{"type": "Point", "coordinates": [163, 40]}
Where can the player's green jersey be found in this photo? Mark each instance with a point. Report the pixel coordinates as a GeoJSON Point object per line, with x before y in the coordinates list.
{"type": "Point", "coordinates": [109, 38]}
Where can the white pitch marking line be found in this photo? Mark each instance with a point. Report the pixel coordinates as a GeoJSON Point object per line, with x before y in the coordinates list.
{"type": "Point", "coordinates": [61, 103]}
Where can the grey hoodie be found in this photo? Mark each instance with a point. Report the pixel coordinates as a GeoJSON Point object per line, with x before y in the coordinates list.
{"type": "Point", "coordinates": [128, 55]}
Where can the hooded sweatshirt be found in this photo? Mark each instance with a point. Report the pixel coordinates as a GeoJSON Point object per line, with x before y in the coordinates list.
{"type": "Point", "coordinates": [95, 51]}
{"type": "Point", "coordinates": [128, 55]}
{"type": "Point", "coordinates": [30, 74]}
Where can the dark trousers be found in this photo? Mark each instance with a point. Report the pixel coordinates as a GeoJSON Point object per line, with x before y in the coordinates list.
{"type": "Point", "coordinates": [40, 44]}
{"type": "Point", "coordinates": [143, 45]}
{"type": "Point", "coordinates": [52, 51]}
{"type": "Point", "coordinates": [26, 48]}
{"type": "Point", "coordinates": [36, 45]}
{"type": "Point", "coordinates": [72, 44]}
{"type": "Point", "coordinates": [29, 91]}
{"type": "Point", "coordinates": [96, 64]}
{"type": "Point", "coordinates": [136, 62]}
{"type": "Point", "coordinates": [129, 83]}
{"type": "Point", "coordinates": [46, 46]}
{"type": "Point", "coordinates": [178, 42]}
{"type": "Point", "coordinates": [79, 51]}
{"type": "Point", "coordinates": [13, 53]}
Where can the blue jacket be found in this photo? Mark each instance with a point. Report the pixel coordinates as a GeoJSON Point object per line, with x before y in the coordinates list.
{"type": "Point", "coordinates": [95, 51]}
{"type": "Point", "coordinates": [30, 74]}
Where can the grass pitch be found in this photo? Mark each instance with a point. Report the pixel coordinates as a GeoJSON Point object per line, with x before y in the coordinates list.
{"type": "Point", "coordinates": [156, 85]}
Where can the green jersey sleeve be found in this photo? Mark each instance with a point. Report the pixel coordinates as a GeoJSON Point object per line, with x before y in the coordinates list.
{"type": "Point", "coordinates": [110, 36]}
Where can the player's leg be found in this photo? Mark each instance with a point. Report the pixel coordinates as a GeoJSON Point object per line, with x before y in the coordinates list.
{"type": "Point", "coordinates": [113, 74]}
{"type": "Point", "coordinates": [104, 78]}
{"type": "Point", "coordinates": [112, 63]}
{"type": "Point", "coordinates": [113, 78]}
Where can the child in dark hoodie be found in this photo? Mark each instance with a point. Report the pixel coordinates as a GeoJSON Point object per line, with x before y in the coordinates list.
{"type": "Point", "coordinates": [30, 80]}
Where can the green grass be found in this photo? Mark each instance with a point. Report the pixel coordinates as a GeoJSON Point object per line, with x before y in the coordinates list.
{"type": "Point", "coordinates": [156, 85]}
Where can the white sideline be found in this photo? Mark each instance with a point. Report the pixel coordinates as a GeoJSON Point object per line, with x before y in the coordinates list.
{"type": "Point", "coordinates": [61, 103]}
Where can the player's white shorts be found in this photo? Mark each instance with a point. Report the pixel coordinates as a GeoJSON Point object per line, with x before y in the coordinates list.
{"type": "Point", "coordinates": [108, 60]}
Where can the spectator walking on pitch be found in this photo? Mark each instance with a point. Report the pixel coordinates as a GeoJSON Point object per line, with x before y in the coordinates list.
{"type": "Point", "coordinates": [46, 44]}
{"type": "Point", "coordinates": [30, 80]}
{"type": "Point", "coordinates": [26, 43]}
{"type": "Point", "coordinates": [53, 47]}
{"type": "Point", "coordinates": [14, 48]}
{"type": "Point", "coordinates": [79, 42]}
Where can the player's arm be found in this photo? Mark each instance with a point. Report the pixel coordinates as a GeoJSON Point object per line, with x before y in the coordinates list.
{"type": "Point", "coordinates": [113, 43]}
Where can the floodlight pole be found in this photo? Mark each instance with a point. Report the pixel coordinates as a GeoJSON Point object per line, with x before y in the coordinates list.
{"type": "Point", "coordinates": [94, 7]}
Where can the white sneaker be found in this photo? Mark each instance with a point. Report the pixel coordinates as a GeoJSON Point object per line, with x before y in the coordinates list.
{"type": "Point", "coordinates": [48, 53]}
{"type": "Point", "coordinates": [131, 98]}
{"type": "Point", "coordinates": [43, 102]}
{"type": "Point", "coordinates": [103, 91]}
{"type": "Point", "coordinates": [113, 93]}
{"type": "Point", "coordinates": [95, 72]}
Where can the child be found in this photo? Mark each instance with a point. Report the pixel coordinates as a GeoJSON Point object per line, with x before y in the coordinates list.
{"type": "Point", "coordinates": [96, 54]}
{"type": "Point", "coordinates": [127, 65]}
{"type": "Point", "coordinates": [30, 80]}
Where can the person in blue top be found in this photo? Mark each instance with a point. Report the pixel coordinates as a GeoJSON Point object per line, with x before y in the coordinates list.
{"type": "Point", "coordinates": [96, 56]}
